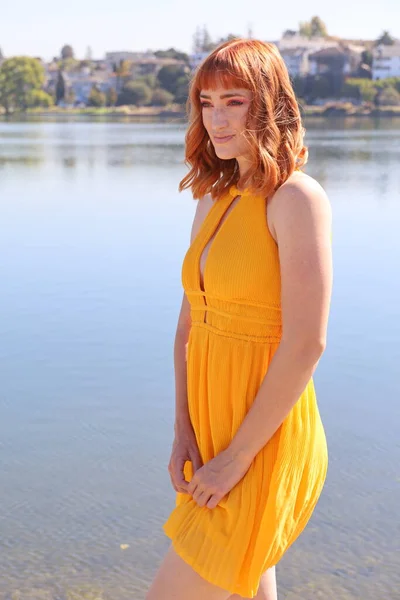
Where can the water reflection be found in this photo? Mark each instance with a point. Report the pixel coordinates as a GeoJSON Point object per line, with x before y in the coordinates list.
{"type": "Point", "coordinates": [92, 235]}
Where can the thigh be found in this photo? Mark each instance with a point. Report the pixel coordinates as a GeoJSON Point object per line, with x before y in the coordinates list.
{"type": "Point", "coordinates": [176, 580]}
{"type": "Point", "coordinates": [267, 589]}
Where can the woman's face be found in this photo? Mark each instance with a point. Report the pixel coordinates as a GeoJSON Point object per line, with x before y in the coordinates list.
{"type": "Point", "coordinates": [224, 113]}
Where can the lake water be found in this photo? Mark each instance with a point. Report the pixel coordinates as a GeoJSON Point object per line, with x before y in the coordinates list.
{"type": "Point", "coordinates": [92, 235]}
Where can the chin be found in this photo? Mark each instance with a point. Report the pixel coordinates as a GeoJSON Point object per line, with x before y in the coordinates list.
{"type": "Point", "coordinates": [225, 154]}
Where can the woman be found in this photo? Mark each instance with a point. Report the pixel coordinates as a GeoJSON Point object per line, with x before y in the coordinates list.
{"type": "Point", "coordinates": [249, 458]}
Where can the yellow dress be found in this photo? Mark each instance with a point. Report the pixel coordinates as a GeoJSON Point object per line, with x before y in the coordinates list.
{"type": "Point", "coordinates": [236, 329]}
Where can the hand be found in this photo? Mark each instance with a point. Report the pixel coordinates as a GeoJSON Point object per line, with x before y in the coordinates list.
{"type": "Point", "coordinates": [184, 448]}
{"type": "Point", "coordinates": [217, 477]}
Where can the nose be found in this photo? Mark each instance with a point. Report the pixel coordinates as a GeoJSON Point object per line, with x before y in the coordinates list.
{"type": "Point", "coordinates": [219, 119]}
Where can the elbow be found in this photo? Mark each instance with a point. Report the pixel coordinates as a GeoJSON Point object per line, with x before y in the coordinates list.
{"type": "Point", "coordinates": [308, 349]}
{"type": "Point", "coordinates": [314, 348]}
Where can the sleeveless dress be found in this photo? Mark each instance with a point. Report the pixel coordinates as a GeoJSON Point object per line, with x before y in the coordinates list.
{"type": "Point", "coordinates": [236, 329]}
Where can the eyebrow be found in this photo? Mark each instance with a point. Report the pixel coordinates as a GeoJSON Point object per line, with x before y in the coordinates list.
{"type": "Point", "coordinates": [222, 96]}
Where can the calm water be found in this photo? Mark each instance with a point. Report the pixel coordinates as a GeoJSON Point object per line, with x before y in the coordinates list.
{"type": "Point", "coordinates": [92, 234]}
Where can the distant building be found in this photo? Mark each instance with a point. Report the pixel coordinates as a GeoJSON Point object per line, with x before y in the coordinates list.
{"type": "Point", "coordinates": [295, 50]}
{"type": "Point", "coordinates": [386, 61]}
{"type": "Point", "coordinates": [339, 60]}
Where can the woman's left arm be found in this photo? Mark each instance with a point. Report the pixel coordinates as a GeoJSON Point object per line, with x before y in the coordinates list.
{"type": "Point", "coordinates": [301, 218]}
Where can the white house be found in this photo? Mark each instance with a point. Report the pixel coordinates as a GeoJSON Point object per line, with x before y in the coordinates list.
{"type": "Point", "coordinates": [386, 61]}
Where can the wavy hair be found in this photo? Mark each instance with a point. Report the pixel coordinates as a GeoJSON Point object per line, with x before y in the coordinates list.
{"type": "Point", "coordinates": [275, 140]}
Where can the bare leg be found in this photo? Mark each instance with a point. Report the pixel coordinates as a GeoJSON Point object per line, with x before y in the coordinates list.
{"type": "Point", "coordinates": [267, 589]}
{"type": "Point", "coordinates": [176, 580]}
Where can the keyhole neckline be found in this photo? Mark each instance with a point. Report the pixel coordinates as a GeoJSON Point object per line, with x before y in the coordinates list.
{"type": "Point", "coordinates": [234, 191]}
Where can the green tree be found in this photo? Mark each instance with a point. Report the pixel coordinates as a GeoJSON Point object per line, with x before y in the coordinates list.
{"type": "Point", "coordinates": [150, 80]}
{"type": "Point", "coordinates": [389, 97]}
{"type": "Point", "coordinates": [60, 87]}
{"type": "Point", "coordinates": [314, 28]}
{"type": "Point", "coordinates": [161, 97]}
{"type": "Point", "coordinates": [182, 89]}
{"type": "Point", "coordinates": [19, 76]}
{"type": "Point", "coordinates": [96, 97]}
{"type": "Point", "coordinates": [67, 52]}
{"type": "Point", "coordinates": [172, 53]}
{"type": "Point", "coordinates": [111, 97]}
{"type": "Point", "coordinates": [134, 92]}
{"type": "Point", "coordinates": [386, 39]}
{"type": "Point", "coordinates": [169, 77]}
{"type": "Point", "coordinates": [40, 98]}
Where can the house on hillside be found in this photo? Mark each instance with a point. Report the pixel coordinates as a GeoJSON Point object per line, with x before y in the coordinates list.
{"type": "Point", "coordinates": [295, 50]}
{"type": "Point", "coordinates": [386, 61]}
{"type": "Point", "coordinates": [339, 60]}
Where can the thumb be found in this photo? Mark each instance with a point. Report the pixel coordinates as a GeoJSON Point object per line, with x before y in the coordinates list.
{"type": "Point", "coordinates": [196, 461]}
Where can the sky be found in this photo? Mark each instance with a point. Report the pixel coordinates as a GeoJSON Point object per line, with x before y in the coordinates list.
{"type": "Point", "coordinates": [42, 27]}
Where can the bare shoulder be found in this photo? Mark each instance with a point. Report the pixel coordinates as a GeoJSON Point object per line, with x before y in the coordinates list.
{"type": "Point", "coordinates": [202, 209]}
{"type": "Point", "coordinates": [299, 203]}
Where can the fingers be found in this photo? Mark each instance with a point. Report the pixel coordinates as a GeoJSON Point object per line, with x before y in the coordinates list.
{"type": "Point", "coordinates": [196, 461]}
{"type": "Point", "coordinates": [201, 498]}
{"type": "Point", "coordinates": [178, 480]}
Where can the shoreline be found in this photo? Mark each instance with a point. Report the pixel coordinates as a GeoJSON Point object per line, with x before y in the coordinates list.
{"type": "Point", "coordinates": [179, 113]}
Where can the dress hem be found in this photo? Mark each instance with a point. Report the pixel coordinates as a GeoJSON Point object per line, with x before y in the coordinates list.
{"type": "Point", "coordinates": [244, 593]}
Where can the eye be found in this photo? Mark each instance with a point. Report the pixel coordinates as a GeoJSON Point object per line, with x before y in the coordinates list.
{"type": "Point", "coordinates": [230, 103]}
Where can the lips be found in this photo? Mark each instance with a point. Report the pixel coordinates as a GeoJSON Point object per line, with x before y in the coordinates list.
{"type": "Point", "coordinates": [223, 139]}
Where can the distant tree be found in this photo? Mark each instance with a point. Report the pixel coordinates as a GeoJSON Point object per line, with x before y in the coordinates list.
{"type": "Point", "coordinates": [366, 57]}
{"type": "Point", "coordinates": [172, 53]}
{"type": "Point", "coordinates": [207, 44]}
{"type": "Point", "coordinates": [197, 40]}
{"type": "Point", "coordinates": [150, 79]}
{"type": "Point", "coordinates": [161, 97]}
{"type": "Point", "coordinates": [69, 64]}
{"type": "Point", "coordinates": [96, 97]}
{"type": "Point", "coordinates": [182, 89]}
{"type": "Point", "coordinates": [135, 93]}
{"type": "Point", "coordinates": [19, 76]}
{"type": "Point", "coordinates": [41, 98]}
{"type": "Point", "coordinates": [67, 52]}
{"type": "Point", "coordinates": [169, 76]}
{"type": "Point", "coordinates": [111, 97]}
{"type": "Point", "coordinates": [60, 87]}
{"type": "Point", "coordinates": [228, 38]}
{"type": "Point", "coordinates": [70, 96]}
{"type": "Point", "coordinates": [1, 54]}
{"type": "Point", "coordinates": [289, 33]}
{"type": "Point", "coordinates": [386, 39]}
{"type": "Point", "coordinates": [202, 41]}
{"type": "Point", "coordinates": [314, 28]}
{"type": "Point", "coordinates": [389, 96]}
{"type": "Point", "coordinates": [122, 72]}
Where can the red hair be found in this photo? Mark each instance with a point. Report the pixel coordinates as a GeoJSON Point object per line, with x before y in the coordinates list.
{"type": "Point", "coordinates": [275, 142]}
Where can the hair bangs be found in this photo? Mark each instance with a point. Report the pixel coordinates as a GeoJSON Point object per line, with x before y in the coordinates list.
{"type": "Point", "coordinates": [221, 70]}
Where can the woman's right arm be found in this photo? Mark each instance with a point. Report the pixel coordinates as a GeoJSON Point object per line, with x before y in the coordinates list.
{"type": "Point", "coordinates": [185, 445]}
